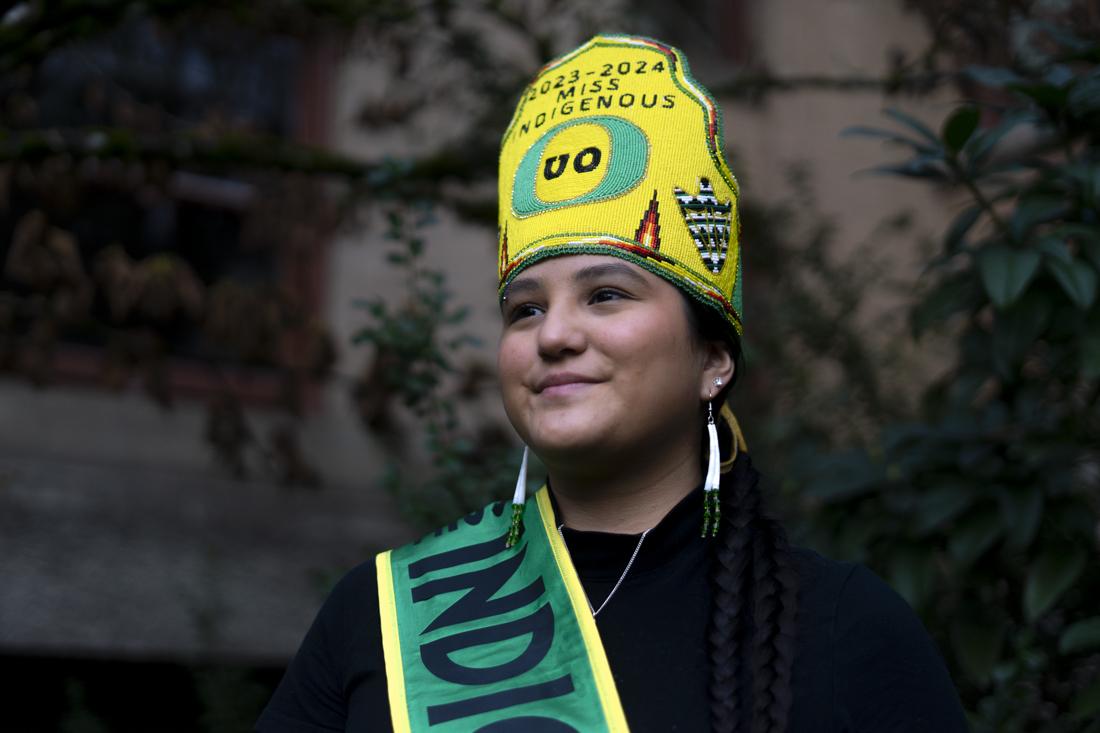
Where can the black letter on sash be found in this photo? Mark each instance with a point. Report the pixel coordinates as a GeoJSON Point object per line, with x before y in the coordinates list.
{"type": "Point", "coordinates": [527, 724]}
{"type": "Point", "coordinates": [593, 153]}
{"type": "Point", "coordinates": [548, 171]}
{"type": "Point", "coordinates": [483, 585]}
{"type": "Point", "coordinates": [499, 700]}
{"type": "Point", "coordinates": [540, 625]}
{"type": "Point", "coordinates": [474, 518]}
{"type": "Point", "coordinates": [460, 556]}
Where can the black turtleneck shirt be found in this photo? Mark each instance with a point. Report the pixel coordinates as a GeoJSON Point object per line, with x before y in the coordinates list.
{"type": "Point", "coordinates": [863, 662]}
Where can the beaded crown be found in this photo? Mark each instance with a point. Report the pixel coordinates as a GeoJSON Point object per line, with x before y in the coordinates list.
{"type": "Point", "coordinates": [615, 149]}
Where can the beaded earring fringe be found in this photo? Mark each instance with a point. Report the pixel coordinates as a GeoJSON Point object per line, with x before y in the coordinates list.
{"type": "Point", "coordinates": [712, 509]}
{"type": "Point", "coordinates": [519, 503]}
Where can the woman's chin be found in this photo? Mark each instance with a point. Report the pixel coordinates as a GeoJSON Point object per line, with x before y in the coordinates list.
{"type": "Point", "coordinates": [569, 443]}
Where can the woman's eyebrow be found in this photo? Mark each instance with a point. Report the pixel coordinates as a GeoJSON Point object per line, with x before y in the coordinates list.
{"type": "Point", "coordinates": [597, 272]}
{"type": "Point", "coordinates": [520, 286]}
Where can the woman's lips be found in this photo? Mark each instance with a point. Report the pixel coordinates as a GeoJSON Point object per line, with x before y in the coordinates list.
{"type": "Point", "coordinates": [563, 383]}
{"type": "Point", "coordinates": [565, 390]}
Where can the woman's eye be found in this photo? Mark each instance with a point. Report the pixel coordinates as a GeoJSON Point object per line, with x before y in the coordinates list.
{"type": "Point", "coordinates": [604, 295]}
{"type": "Point", "coordinates": [522, 311]}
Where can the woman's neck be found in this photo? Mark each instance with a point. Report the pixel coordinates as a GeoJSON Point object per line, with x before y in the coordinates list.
{"type": "Point", "coordinates": [624, 501]}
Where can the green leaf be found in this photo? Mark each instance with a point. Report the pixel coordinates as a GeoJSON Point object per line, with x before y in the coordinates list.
{"type": "Point", "coordinates": [1084, 96]}
{"type": "Point", "coordinates": [887, 136]}
{"type": "Point", "coordinates": [1090, 355]}
{"type": "Point", "coordinates": [843, 476]}
{"type": "Point", "coordinates": [1034, 210]}
{"type": "Point", "coordinates": [940, 505]}
{"type": "Point", "coordinates": [1058, 75]}
{"type": "Point", "coordinates": [1086, 703]}
{"type": "Point", "coordinates": [1016, 329]}
{"type": "Point", "coordinates": [1055, 247]}
{"type": "Point", "coordinates": [1048, 96]}
{"type": "Point", "coordinates": [960, 125]}
{"type": "Point", "coordinates": [1049, 577]}
{"type": "Point", "coordinates": [992, 76]}
{"type": "Point", "coordinates": [912, 572]}
{"type": "Point", "coordinates": [1090, 248]}
{"type": "Point", "coordinates": [1021, 510]}
{"type": "Point", "coordinates": [960, 227]}
{"type": "Point", "coordinates": [1006, 272]}
{"type": "Point", "coordinates": [925, 166]}
{"type": "Point", "coordinates": [974, 535]}
{"type": "Point", "coordinates": [952, 295]}
{"type": "Point", "coordinates": [1077, 279]}
{"type": "Point", "coordinates": [982, 142]}
{"type": "Point", "coordinates": [1081, 636]}
{"type": "Point", "coordinates": [914, 124]}
{"type": "Point", "coordinates": [978, 647]}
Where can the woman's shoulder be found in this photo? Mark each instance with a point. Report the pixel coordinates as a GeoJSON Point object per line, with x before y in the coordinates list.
{"type": "Point", "coordinates": [848, 591]}
{"type": "Point", "coordinates": [849, 596]}
{"type": "Point", "coordinates": [356, 587]}
{"type": "Point", "coordinates": [869, 651]}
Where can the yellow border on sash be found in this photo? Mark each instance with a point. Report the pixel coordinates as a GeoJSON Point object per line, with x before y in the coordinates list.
{"type": "Point", "coordinates": [391, 645]}
{"type": "Point", "coordinates": [601, 670]}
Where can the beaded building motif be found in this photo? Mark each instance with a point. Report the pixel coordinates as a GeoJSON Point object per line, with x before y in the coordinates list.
{"type": "Point", "coordinates": [709, 223]}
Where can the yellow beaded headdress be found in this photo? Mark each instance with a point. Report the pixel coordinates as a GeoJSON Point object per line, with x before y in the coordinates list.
{"type": "Point", "coordinates": [614, 149]}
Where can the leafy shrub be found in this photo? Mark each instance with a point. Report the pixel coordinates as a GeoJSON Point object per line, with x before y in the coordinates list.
{"type": "Point", "coordinates": [983, 511]}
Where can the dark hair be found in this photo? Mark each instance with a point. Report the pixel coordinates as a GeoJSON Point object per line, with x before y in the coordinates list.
{"type": "Point", "coordinates": [754, 589]}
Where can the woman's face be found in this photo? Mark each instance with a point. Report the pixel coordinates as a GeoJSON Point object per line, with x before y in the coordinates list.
{"type": "Point", "coordinates": [598, 363]}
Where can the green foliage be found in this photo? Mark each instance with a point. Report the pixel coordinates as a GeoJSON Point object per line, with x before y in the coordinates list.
{"type": "Point", "coordinates": [416, 349]}
{"type": "Point", "coordinates": [983, 510]}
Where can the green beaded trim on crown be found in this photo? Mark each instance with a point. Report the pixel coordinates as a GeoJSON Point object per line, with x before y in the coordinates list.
{"type": "Point", "coordinates": [682, 282]}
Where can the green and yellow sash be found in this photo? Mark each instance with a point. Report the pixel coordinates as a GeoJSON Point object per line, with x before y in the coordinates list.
{"type": "Point", "coordinates": [480, 637]}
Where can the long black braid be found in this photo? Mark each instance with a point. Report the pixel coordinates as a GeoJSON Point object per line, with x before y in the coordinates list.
{"type": "Point", "coordinates": [755, 591]}
{"type": "Point", "coordinates": [752, 613]}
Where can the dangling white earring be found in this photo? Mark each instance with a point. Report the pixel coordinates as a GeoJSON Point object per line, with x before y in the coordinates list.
{"type": "Point", "coordinates": [519, 503]}
{"type": "Point", "coordinates": [712, 509]}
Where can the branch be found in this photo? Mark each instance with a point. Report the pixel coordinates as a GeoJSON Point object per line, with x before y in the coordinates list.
{"type": "Point", "coordinates": [234, 151]}
{"type": "Point", "coordinates": [32, 29]}
{"type": "Point", "coordinates": [753, 85]}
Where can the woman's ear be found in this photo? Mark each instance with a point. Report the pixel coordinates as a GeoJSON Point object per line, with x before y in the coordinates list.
{"type": "Point", "coordinates": [718, 364]}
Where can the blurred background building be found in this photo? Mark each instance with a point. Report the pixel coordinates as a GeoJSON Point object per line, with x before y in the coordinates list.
{"type": "Point", "coordinates": [226, 364]}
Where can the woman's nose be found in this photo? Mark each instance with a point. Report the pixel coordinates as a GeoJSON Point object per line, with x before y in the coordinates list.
{"type": "Point", "coordinates": [561, 333]}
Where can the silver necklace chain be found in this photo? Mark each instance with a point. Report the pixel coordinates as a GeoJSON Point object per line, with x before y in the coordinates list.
{"type": "Point", "coordinates": [630, 562]}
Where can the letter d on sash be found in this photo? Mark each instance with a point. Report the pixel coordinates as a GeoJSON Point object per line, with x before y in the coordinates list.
{"type": "Point", "coordinates": [437, 659]}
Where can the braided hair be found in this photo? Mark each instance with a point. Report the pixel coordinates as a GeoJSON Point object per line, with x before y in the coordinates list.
{"type": "Point", "coordinates": [752, 612]}
{"type": "Point", "coordinates": [751, 638]}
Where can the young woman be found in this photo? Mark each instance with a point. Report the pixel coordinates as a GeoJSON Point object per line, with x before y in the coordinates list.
{"type": "Point", "coordinates": [643, 587]}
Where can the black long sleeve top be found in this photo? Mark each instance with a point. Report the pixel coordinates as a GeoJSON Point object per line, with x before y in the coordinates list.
{"type": "Point", "coordinates": [863, 662]}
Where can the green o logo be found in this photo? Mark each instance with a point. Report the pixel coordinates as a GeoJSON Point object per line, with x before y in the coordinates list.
{"type": "Point", "coordinates": [597, 158]}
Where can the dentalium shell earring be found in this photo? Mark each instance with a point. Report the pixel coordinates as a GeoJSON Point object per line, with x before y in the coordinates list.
{"type": "Point", "coordinates": [712, 508]}
{"type": "Point", "coordinates": [519, 503]}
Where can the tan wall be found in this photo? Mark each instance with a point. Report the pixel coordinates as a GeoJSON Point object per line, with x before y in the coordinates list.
{"type": "Point", "coordinates": [840, 38]}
